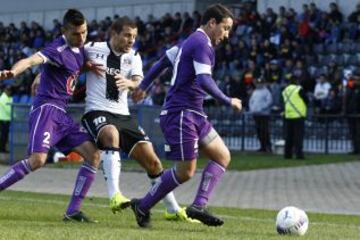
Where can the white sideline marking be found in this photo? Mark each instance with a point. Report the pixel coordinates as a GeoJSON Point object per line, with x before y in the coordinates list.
{"type": "Point", "coordinates": [34, 200]}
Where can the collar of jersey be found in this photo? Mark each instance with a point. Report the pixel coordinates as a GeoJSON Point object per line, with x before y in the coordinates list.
{"type": "Point", "coordinates": [74, 49]}
{"type": "Point", "coordinates": [201, 30]}
{"type": "Point", "coordinates": [118, 54]}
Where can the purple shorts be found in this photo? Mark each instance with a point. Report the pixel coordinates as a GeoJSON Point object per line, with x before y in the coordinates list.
{"type": "Point", "coordinates": [51, 126]}
{"type": "Point", "coordinates": [183, 130]}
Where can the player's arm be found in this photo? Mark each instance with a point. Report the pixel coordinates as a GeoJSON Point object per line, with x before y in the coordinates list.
{"type": "Point", "coordinates": [124, 83]}
{"type": "Point", "coordinates": [208, 84]}
{"type": "Point", "coordinates": [203, 71]}
{"type": "Point", "coordinates": [21, 66]}
{"type": "Point", "coordinates": [154, 71]}
{"type": "Point", "coordinates": [92, 66]}
{"type": "Point", "coordinates": [150, 76]}
{"type": "Point", "coordinates": [136, 74]}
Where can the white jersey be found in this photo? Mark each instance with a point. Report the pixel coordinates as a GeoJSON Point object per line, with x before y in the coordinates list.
{"type": "Point", "coordinates": [101, 91]}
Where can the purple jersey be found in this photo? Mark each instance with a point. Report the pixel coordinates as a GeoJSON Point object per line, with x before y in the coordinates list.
{"type": "Point", "coordinates": [195, 56]}
{"type": "Point", "coordinates": [59, 73]}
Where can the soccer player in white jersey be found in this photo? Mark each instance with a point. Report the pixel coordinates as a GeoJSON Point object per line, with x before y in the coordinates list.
{"type": "Point", "coordinates": [183, 120]}
{"type": "Point", "coordinates": [107, 117]}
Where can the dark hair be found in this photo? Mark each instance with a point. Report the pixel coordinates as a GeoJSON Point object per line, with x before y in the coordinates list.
{"type": "Point", "coordinates": [217, 11]}
{"type": "Point", "coordinates": [73, 17]}
{"type": "Point", "coordinates": [119, 24]}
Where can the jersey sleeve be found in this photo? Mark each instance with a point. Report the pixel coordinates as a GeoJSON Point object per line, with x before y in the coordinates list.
{"type": "Point", "coordinates": [171, 54]}
{"type": "Point", "coordinates": [154, 71]}
{"type": "Point", "coordinates": [202, 59]}
{"type": "Point", "coordinates": [137, 67]}
{"type": "Point", "coordinates": [208, 85]}
{"type": "Point", "coordinates": [51, 55]}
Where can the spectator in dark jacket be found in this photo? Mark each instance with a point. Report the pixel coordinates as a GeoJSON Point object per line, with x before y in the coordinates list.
{"type": "Point", "coordinates": [352, 109]}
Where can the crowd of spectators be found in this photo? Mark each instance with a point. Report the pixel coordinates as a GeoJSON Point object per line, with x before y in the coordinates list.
{"type": "Point", "coordinates": [317, 46]}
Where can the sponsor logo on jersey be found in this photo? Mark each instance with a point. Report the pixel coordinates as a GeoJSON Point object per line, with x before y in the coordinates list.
{"type": "Point", "coordinates": [71, 83]}
{"type": "Point", "coordinates": [112, 71]}
{"type": "Point", "coordinates": [98, 55]}
{"type": "Point", "coordinates": [127, 62]}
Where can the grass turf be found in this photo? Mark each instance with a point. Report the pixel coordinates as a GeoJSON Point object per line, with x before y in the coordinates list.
{"type": "Point", "coordinates": [39, 216]}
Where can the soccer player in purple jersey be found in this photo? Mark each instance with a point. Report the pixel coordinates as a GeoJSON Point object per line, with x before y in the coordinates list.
{"type": "Point", "coordinates": [183, 121]}
{"type": "Point", "coordinates": [49, 123]}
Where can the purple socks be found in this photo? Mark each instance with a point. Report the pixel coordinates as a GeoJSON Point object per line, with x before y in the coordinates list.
{"type": "Point", "coordinates": [84, 180]}
{"type": "Point", "coordinates": [167, 182]}
{"type": "Point", "coordinates": [211, 175]}
{"type": "Point", "coordinates": [17, 172]}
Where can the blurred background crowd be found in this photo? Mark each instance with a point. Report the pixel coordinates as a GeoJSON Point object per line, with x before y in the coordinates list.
{"type": "Point", "coordinates": [318, 47]}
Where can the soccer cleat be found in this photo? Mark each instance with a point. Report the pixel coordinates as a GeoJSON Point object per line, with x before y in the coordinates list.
{"type": "Point", "coordinates": [78, 217]}
{"type": "Point", "coordinates": [179, 216]}
{"type": "Point", "coordinates": [119, 202]}
{"type": "Point", "coordinates": [142, 219]}
{"type": "Point", "coordinates": [203, 215]}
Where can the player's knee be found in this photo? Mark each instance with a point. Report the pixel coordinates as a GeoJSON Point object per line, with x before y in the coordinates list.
{"type": "Point", "coordinates": [185, 175]}
{"type": "Point", "coordinates": [226, 157]}
{"type": "Point", "coordinates": [109, 136]}
{"type": "Point", "coordinates": [94, 159]}
{"type": "Point", "coordinates": [222, 156]}
{"type": "Point", "coordinates": [37, 162]}
{"type": "Point", "coordinates": [154, 166]}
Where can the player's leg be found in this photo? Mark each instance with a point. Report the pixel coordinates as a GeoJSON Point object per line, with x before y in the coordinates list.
{"type": "Point", "coordinates": [137, 144]}
{"type": "Point", "coordinates": [103, 128]}
{"type": "Point", "coordinates": [175, 127]}
{"type": "Point", "coordinates": [144, 153]}
{"type": "Point", "coordinates": [41, 137]}
{"type": "Point", "coordinates": [108, 139]}
{"type": "Point", "coordinates": [169, 180]}
{"type": "Point", "coordinates": [77, 139]}
{"type": "Point", "coordinates": [219, 159]}
{"type": "Point", "coordinates": [84, 180]}
{"type": "Point", "coordinates": [22, 168]}
{"type": "Point", "coordinates": [218, 154]}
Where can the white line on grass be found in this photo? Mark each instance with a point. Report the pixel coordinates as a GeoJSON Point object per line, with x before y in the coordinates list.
{"type": "Point", "coordinates": [59, 202]}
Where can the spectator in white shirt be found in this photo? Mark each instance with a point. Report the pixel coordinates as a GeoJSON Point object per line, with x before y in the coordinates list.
{"type": "Point", "coordinates": [321, 91]}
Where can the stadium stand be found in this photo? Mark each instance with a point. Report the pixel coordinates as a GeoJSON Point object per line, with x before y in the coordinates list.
{"type": "Point", "coordinates": [318, 37]}
{"type": "Point", "coordinates": [274, 45]}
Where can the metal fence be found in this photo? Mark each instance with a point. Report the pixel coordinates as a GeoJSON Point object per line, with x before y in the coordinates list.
{"type": "Point", "coordinates": [323, 134]}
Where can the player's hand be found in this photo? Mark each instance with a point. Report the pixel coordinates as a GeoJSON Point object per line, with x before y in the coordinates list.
{"type": "Point", "coordinates": [236, 104]}
{"type": "Point", "coordinates": [123, 83]}
{"type": "Point", "coordinates": [97, 68]}
{"type": "Point", "coordinates": [5, 74]}
{"type": "Point", "coordinates": [138, 95]}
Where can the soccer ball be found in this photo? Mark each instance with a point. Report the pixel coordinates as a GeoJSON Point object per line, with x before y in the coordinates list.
{"type": "Point", "coordinates": [292, 221]}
